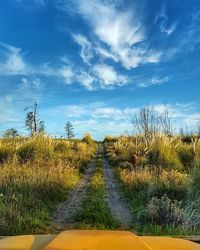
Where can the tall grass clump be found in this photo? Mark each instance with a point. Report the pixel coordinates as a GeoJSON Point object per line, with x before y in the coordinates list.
{"type": "Point", "coordinates": [35, 174]}
{"type": "Point", "coordinates": [38, 148]}
{"type": "Point", "coordinates": [6, 153]}
{"type": "Point", "coordinates": [165, 170]}
{"type": "Point", "coordinates": [29, 193]}
{"type": "Point", "coordinates": [162, 153]}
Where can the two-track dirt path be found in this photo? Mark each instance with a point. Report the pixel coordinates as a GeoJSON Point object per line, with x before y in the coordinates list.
{"type": "Point", "coordinates": [114, 196]}
{"type": "Point", "coordinates": [66, 209]}
{"type": "Point", "coordinates": [62, 218]}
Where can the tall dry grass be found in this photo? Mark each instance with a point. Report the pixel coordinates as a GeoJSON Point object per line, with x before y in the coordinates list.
{"type": "Point", "coordinates": [35, 174]}
{"type": "Point", "coordinates": [167, 169]}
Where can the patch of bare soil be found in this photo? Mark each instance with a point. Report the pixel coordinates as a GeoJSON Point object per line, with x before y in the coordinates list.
{"type": "Point", "coordinates": [114, 196]}
{"type": "Point", "coordinates": [65, 210]}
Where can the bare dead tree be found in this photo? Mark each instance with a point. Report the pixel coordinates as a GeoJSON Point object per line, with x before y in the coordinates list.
{"type": "Point", "coordinates": [166, 122]}
{"type": "Point", "coordinates": [35, 119]}
{"type": "Point", "coordinates": [32, 123]}
{"type": "Point", "coordinates": [147, 123]}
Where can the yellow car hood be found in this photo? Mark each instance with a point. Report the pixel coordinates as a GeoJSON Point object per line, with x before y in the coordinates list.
{"type": "Point", "coordinates": [95, 240]}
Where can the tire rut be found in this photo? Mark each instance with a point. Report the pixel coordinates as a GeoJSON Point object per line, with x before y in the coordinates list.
{"type": "Point", "coordinates": [114, 196]}
{"type": "Point", "coordinates": [64, 212]}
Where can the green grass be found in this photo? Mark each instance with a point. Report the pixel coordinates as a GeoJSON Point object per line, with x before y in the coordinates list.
{"type": "Point", "coordinates": [35, 174]}
{"type": "Point", "coordinates": [28, 195]}
{"type": "Point", "coordinates": [94, 212]}
{"type": "Point", "coordinates": [167, 165]}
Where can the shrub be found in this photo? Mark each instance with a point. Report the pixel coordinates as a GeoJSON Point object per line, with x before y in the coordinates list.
{"type": "Point", "coordinates": [109, 139]}
{"type": "Point", "coordinates": [61, 147]}
{"type": "Point", "coordinates": [175, 184]}
{"type": "Point", "coordinates": [186, 155]}
{"type": "Point", "coordinates": [6, 153]}
{"type": "Point", "coordinates": [88, 139]}
{"type": "Point", "coordinates": [136, 180]}
{"type": "Point", "coordinates": [36, 149]}
{"type": "Point", "coordinates": [194, 187]}
{"type": "Point", "coordinates": [125, 165]}
{"type": "Point", "coordinates": [196, 148]}
{"type": "Point", "coordinates": [162, 153]}
{"type": "Point", "coordinates": [164, 211]}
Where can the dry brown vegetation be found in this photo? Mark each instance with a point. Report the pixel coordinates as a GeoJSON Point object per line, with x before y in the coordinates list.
{"type": "Point", "coordinates": [161, 181]}
{"type": "Point", "coordinates": [35, 174]}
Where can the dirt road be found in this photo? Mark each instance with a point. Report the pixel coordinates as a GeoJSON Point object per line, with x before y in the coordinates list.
{"type": "Point", "coordinates": [114, 196]}
{"type": "Point", "coordinates": [62, 218]}
{"type": "Point", "coordinates": [66, 209]}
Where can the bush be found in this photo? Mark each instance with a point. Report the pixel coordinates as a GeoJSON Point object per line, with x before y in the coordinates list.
{"type": "Point", "coordinates": [186, 155]}
{"type": "Point", "coordinates": [88, 139]}
{"type": "Point", "coordinates": [6, 153]}
{"type": "Point", "coordinates": [61, 147]}
{"type": "Point", "coordinates": [136, 181]}
{"type": "Point", "coordinates": [194, 188]}
{"type": "Point", "coordinates": [196, 147]}
{"type": "Point", "coordinates": [175, 184]}
{"type": "Point", "coordinates": [164, 211]}
{"type": "Point", "coordinates": [38, 148]}
{"type": "Point", "coordinates": [125, 165]}
{"type": "Point", "coordinates": [109, 139]}
{"type": "Point", "coordinates": [162, 153]}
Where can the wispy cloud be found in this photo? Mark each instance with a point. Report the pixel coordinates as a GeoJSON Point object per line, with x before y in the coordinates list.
{"type": "Point", "coordinates": [115, 113]}
{"type": "Point", "coordinates": [121, 34]}
{"type": "Point", "coordinates": [12, 61]}
{"type": "Point", "coordinates": [87, 80]}
{"type": "Point", "coordinates": [108, 76]}
{"type": "Point", "coordinates": [163, 19]}
{"type": "Point", "coordinates": [155, 81]}
{"type": "Point", "coordinates": [192, 120]}
{"type": "Point", "coordinates": [20, 96]}
{"type": "Point", "coordinates": [67, 73]}
{"type": "Point", "coordinates": [86, 47]}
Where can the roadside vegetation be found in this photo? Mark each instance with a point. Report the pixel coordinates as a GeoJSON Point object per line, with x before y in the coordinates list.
{"type": "Point", "coordinates": [160, 175]}
{"type": "Point", "coordinates": [158, 169]}
{"type": "Point", "coordinates": [35, 174]}
{"type": "Point", "coordinates": [94, 212]}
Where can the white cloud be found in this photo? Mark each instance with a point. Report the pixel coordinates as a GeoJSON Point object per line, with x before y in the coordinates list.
{"type": "Point", "coordinates": [12, 105]}
{"type": "Point", "coordinates": [86, 47]}
{"type": "Point", "coordinates": [155, 81]}
{"type": "Point", "coordinates": [114, 113]}
{"type": "Point", "coordinates": [94, 127]}
{"type": "Point", "coordinates": [121, 32]}
{"type": "Point", "coordinates": [108, 76]}
{"type": "Point", "coordinates": [67, 74]}
{"type": "Point", "coordinates": [164, 27]}
{"type": "Point", "coordinates": [193, 120]}
{"type": "Point", "coordinates": [86, 80]}
{"type": "Point", "coordinates": [8, 114]}
{"type": "Point", "coordinates": [13, 62]}
{"type": "Point", "coordinates": [32, 83]}
{"type": "Point", "coordinates": [105, 53]}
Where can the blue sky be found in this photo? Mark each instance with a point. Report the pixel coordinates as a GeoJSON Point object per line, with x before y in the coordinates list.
{"type": "Point", "coordinates": [95, 63]}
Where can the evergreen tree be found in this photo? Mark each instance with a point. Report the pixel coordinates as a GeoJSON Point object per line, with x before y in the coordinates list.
{"type": "Point", "coordinates": [41, 127]}
{"type": "Point", "coordinates": [69, 130]}
{"type": "Point", "coordinates": [10, 133]}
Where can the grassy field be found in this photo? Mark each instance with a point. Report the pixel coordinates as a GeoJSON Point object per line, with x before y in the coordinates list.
{"type": "Point", "coordinates": [35, 174]}
{"type": "Point", "coordinates": [95, 213]}
{"type": "Point", "coordinates": [161, 181]}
